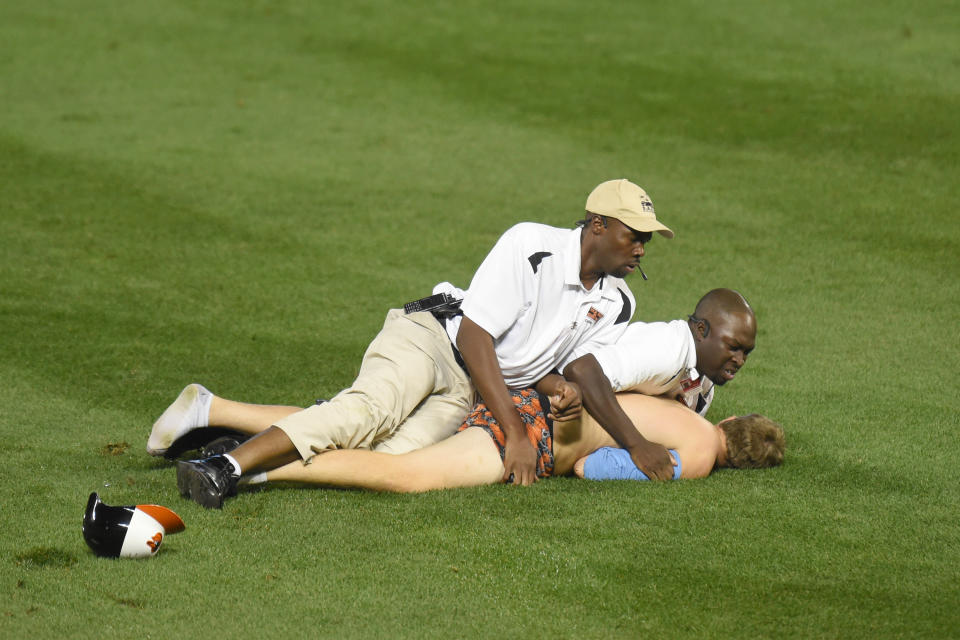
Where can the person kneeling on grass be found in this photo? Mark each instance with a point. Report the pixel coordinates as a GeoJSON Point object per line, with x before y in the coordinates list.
{"type": "Point", "coordinates": [474, 455]}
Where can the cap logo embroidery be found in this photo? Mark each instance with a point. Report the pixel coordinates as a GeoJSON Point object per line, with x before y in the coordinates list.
{"type": "Point", "coordinates": [647, 205]}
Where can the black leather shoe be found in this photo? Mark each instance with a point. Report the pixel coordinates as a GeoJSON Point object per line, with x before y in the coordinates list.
{"type": "Point", "coordinates": [207, 482]}
{"type": "Point", "coordinates": [192, 442]}
{"type": "Point", "coordinates": [223, 445]}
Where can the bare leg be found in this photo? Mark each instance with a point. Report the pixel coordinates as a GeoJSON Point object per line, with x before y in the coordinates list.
{"type": "Point", "coordinates": [248, 418]}
{"type": "Point", "coordinates": [197, 407]}
{"type": "Point", "coordinates": [467, 459]}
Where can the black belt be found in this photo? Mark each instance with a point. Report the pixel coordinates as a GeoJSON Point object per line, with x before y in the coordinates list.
{"type": "Point", "coordinates": [459, 358]}
{"type": "Point", "coordinates": [442, 319]}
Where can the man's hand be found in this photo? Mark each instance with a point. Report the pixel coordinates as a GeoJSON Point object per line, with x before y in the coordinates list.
{"type": "Point", "coordinates": [520, 461]}
{"type": "Point", "coordinates": [565, 402]}
{"type": "Point", "coordinates": [653, 459]}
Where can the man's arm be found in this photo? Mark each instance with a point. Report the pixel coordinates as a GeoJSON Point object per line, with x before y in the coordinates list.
{"type": "Point", "coordinates": [476, 347]}
{"type": "Point", "coordinates": [600, 401]}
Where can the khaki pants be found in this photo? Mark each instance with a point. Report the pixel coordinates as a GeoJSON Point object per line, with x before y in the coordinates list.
{"type": "Point", "coordinates": [410, 393]}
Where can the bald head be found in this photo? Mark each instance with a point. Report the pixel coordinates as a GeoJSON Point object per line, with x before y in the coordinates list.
{"type": "Point", "coordinates": [722, 302]}
{"type": "Point", "coordinates": [724, 330]}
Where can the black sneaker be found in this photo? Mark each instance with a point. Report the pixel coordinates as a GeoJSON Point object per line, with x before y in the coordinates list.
{"type": "Point", "coordinates": [222, 445]}
{"type": "Point", "coordinates": [207, 482]}
{"type": "Point", "coordinates": [193, 442]}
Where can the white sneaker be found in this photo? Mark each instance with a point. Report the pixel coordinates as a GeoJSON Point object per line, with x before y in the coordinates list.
{"type": "Point", "coordinates": [191, 410]}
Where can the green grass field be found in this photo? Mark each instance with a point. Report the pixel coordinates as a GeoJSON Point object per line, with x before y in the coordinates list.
{"type": "Point", "coordinates": [235, 192]}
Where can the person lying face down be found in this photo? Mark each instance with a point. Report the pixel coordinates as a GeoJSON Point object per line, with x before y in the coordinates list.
{"type": "Point", "coordinates": [474, 455]}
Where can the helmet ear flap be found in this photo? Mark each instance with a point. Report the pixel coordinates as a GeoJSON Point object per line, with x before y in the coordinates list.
{"type": "Point", "coordinates": [105, 527]}
{"type": "Point", "coordinates": [129, 531]}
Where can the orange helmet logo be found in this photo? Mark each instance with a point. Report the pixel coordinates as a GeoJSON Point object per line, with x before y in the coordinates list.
{"type": "Point", "coordinates": [154, 542]}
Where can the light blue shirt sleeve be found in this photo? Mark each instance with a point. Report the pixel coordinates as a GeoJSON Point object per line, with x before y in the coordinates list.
{"type": "Point", "coordinates": [609, 463]}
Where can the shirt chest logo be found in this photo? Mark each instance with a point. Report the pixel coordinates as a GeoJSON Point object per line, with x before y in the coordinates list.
{"type": "Point", "coordinates": [594, 315]}
{"type": "Point", "coordinates": [689, 385]}
{"type": "Point", "coordinates": [690, 390]}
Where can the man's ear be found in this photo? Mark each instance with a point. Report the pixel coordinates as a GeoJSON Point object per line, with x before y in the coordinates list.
{"type": "Point", "coordinates": [597, 223]}
{"type": "Point", "coordinates": [702, 327]}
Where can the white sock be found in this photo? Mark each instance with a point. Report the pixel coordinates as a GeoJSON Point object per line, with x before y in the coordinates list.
{"type": "Point", "coordinates": [191, 410]}
{"type": "Point", "coordinates": [204, 400]}
{"type": "Point", "coordinates": [237, 471]}
{"type": "Point", "coordinates": [259, 477]}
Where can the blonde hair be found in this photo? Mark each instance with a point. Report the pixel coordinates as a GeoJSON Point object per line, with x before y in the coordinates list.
{"type": "Point", "coordinates": [753, 442]}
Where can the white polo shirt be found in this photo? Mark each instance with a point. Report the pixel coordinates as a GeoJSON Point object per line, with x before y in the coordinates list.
{"type": "Point", "coordinates": [657, 358]}
{"type": "Point", "coordinates": [527, 294]}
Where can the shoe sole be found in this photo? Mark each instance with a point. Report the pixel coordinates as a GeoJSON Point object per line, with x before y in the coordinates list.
{"type": "Point", "coordinates": [197, 487]}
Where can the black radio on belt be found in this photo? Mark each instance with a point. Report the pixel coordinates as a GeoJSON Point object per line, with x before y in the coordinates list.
{"type": "Point", "coordinates": [441, 305]}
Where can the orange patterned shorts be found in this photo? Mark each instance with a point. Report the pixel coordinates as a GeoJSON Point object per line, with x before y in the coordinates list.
{"type": "Point", "coordinates": [533, 409]}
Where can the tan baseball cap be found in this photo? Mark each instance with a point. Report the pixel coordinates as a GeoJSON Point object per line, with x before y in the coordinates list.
{"type": "Point", "coordinates": [628, 203]}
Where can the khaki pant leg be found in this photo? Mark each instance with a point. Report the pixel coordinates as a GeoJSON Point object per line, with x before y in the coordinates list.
{"type": "Point", "coordinates": [440, 414]}
{"type": "Point", "coordinates": [436, 419]}
{"type": "Point", "coordinates": [399, 371]}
